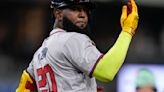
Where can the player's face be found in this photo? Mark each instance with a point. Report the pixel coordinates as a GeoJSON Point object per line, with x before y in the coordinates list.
{"type": "Point", "coordinates": [145, 89]}
{"type": "Point", "coordinates": [77, 14]}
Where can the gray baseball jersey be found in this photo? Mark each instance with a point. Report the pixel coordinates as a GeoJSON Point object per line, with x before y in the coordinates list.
{"type": "Point", "coordinates": [64, 62]}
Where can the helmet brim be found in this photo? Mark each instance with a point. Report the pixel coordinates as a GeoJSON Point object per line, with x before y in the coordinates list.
{"type": "Point", "coordinates": [88, 5]}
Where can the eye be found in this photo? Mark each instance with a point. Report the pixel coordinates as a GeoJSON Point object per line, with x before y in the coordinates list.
{"type": "Point", "coordinates": [74, 8]}
{"type": "Point", "coordinates": [79, 8]}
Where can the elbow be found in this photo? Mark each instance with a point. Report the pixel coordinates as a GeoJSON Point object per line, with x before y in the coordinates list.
{"type": "Point", "coordinates": [107, 78]}
{"type": "Point", "coordinates": [110, 77]}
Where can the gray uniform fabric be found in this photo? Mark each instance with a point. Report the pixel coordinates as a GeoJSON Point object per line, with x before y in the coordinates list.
{"type": "Point", "coordinates": [71, 56]}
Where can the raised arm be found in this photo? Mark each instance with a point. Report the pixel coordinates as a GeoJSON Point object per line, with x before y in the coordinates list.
{"type": "Point", "coordinates": [110, 63]}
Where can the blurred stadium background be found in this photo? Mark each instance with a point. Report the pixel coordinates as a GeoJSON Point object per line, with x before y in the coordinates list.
{"type": "Point", "coordinates": [25, 23]}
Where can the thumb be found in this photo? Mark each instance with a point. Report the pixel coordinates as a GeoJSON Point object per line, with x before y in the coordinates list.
{"type": "Point", "coordinates": [124, 14]}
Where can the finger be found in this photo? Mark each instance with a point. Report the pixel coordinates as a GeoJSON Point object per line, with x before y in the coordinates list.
{"type": "Point", "coordinates": [124, 14]}
{"type": "Point", "coordinates": [134, 6]}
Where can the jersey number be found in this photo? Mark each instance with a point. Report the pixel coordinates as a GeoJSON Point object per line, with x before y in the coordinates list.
{"type": "Point", "coordinates": [43, 72]}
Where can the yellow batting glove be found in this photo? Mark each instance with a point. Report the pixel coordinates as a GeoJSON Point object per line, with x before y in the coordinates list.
{"type": "Point", "coordinates": [26, 83]}
{"type": "Point", "coordinates": [129, 19]}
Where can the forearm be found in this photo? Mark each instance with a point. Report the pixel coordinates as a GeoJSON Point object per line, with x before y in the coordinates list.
{"type": "Point", "coordinates": [111, 62]}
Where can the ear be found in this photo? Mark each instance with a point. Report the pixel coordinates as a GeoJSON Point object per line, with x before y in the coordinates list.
{"type": "Point", "coordinates": [58, 14]}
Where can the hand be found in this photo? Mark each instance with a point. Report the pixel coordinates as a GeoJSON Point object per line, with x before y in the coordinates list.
{"type": "Point", "coordinates": [26, 84]}
{"type": "Point", "coordinates": [129, 18]}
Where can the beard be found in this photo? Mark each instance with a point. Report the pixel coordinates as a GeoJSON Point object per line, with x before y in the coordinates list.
{"type": "Point", "coordinates": [70, 27]}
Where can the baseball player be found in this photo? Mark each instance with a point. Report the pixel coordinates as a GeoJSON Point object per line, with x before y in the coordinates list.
{"type": "Point", "coordinates": [68, 61]}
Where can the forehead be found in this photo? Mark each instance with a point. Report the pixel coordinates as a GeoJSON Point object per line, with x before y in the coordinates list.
{"type": "Point", "coordinates": [79, 6]}
{"type": "Point", "coordinates": [74, 7]}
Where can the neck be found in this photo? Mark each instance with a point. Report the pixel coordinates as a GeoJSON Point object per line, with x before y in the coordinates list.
{"type": "Point", "coordinates": [57, 24]}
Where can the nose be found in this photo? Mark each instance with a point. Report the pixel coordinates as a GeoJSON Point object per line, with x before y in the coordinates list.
{"type": "Point", "coordinates": [82, 13]}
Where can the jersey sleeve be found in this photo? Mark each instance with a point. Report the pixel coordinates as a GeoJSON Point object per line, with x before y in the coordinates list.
{"type": "Point", "coordinates": [81, 52]}
{"type": "Point", "coordinates": [30, 69]}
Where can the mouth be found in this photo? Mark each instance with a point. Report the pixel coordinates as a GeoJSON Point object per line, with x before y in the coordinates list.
{"type": "Point", "coordinates": [81, 24]}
